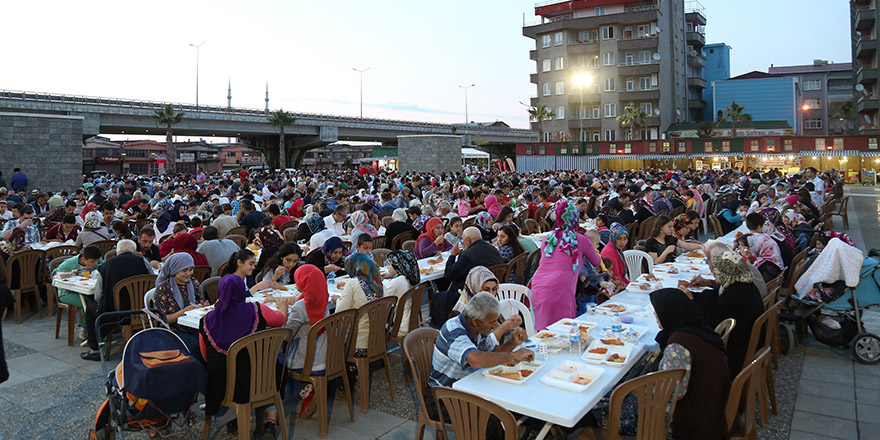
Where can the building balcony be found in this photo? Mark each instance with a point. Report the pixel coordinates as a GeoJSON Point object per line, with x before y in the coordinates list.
{"type": "Point", "coordinates": [652, 121]}
{"type": "Point", "coordinates": [867, 76]}
{"type": "Point", "coordinates": [575, 124]}
{"type": "Point", "coordinates": [697, 82]}
{"type": "Point", "coordinates": [696, 104]}
{"type": "Point", "coordinates": [533, 78]}
{"type": "Point", "coordinates": [649, 42]}
{"type": "Point", "coordinates": [590, 97]}
{"type": "Point", "coordinates": [697, 59]}
{"type": "Point", "coordinates": [865, 19]}
{"type": "Point", "coordinates": [865, 47]}
{"type": "Point", "coordinates": [533, 54]}
{"type": "Point", "coordinates": [635, 15]}
{"type": "Point", "coordinates": [638, 68]}
{"type": "Point", "coordinates": [695, 17]}
{"type": "Point", "coordinates": [868, 104]}
{"type": "Point", "coordinates": [533, 101]}
{"type": "Point", "coordinates": [638, 95]}
{"type": "Point", "coordinates": [579, 48]}
{"type": "Point", "coordinates": [695, 39]}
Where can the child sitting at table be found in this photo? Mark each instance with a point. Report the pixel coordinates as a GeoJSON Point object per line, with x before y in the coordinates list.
{"type": "Point", "coordinates": [610, 287]}
{"type": "Point", "coordinates": [454, 234]}
{"type": "Point", "coordinates": [364, 245]}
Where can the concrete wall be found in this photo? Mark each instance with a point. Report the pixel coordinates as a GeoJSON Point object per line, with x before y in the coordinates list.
{"type": "Point", "coordinates": [429, 153]}
{"type": "Point", "coordinates": [47, 148]}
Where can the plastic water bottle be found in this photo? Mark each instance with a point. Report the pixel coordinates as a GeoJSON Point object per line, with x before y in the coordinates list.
{"type": "Point", "coordinates": [574, 339]}
{"type": "Point", "coordinates": [616, 326]}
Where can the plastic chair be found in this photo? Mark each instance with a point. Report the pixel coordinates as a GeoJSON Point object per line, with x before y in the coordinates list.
{"type": "Point", "coordinates": [739, 411]}
{"type": "Point", "coordinates": [238, 230]}
{"type": "Point", "coordinates": [766, 389]}
{"type": "Point", "coordinates": [418, 349]}
{"type": "Point", "coordinates": [724, 328]}
{"type": "Point", "coordinates": [387, 220]}
{"type": "Point", "coordinates": [500, 272]}
{"type": "Point", "coordinates": [408, 245]}
{"type": "Point", "coordinates": [50, 255]}
{"type": "Point", "coordinates": [338, 327]}
{"type": "Point", "coordinates": [240, 240]}
{"type": "Point", "coordinates": [379, 256]}
{"type": "Point", "coordinates": [209, 289]}
{"type": "Point", "coordinates": [518, 292]}
{"type": "Point", "coordinates": [716, 226]}
{"type": "Point", "coordinates": [470, 414]}
{"type": "Point", "coordinates": [28, 265]}
{"type": "Point", "coordinates": [135, 287]}
{"type": "Point", "coordinates": [71, 310]}
{"type": "Point", "coordinates": [516, 268]}
{"type": "Point", "coordinates": [201, 273]}
{"type": "Point", "coordinates": [290, 235]}
{"type": "Point", "coordinates": [841, 212]}
{"type": "Point", "coordinates": [414, 297]}
{"type": "Point", "coordinates": [378, 241]}
{"type": "Point", "coordinates": [221, 269]}
{"type": "Point", "coordinates": [400, 238]}
{"type": "Point", "coordinates": [528, 320]}
{"type": "Point", "coordinates": [291, 224]}
{"type": "Point", "coordinates": [632, 231]}
{"type": "Point", "coordinates": [635, 261]}
{"type": "Point", "coordinates": [148, 297]}
{"type": "Point", "coordinates": [531, 226]}
{"type": "Point", "coordinates": [110, 254]}
{"type": "Point", "coordinates": [380, 313]}
{"type": "Point", "coordinates": [104, 245]}
{"type": "Point", "coordinates": [262, 348]}
{"type": "Point", "coordinates": [532, 264]}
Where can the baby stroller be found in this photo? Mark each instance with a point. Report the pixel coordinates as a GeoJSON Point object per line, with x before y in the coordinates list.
{"type": "Point", "coordinates": [831, 296]}
{"type": "Point", "coordinates": [154, 386]}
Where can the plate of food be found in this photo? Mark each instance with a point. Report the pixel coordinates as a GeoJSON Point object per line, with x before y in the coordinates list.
{"type": "Point", "coordinates": [643, 287]}
{"type": "Point", "coordinates": [572, 376]}
{"type": "Point", "coordinates": [630, 332]}
{"type": "Point", "coordinates": [563, 327]}
{"type": "Point", "coordinates": [609, 351]}
{"type": "Point", "coordinates": [648, 277]}
{"type": "Point", "coordinates": [516, 374]}
{"type": "Point", "coordinates": [436, 260]}
{"type": "Point", "coordinates": [612, 307]}
{"type": "Point", "coordinates": [544, 334]}
{"type": "Point", "coordinates": [198, 313]}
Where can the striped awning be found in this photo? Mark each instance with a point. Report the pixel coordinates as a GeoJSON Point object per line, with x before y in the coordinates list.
{"type": "Point", "coordinates": [703, 155]}
{"type": "Point", "coordinates": [870, 153]}
{"type": "Point", "coordinates": [611, 156]}
{"type": "Point", "coordinates": [663, 156]}
{"type": "Point", "coordinates": [829, 153]}
{"type": "Point", "coordinates": [771, 155]}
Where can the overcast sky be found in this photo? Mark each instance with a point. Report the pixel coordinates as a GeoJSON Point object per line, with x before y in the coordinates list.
{"type": "Point", "coordinates": [418, 52]}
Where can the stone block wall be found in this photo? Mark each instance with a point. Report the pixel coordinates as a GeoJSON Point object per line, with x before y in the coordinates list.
{"type": "Point", "coordinates": [47, 148]}
{"type": "Point", "coordinates": [420, 153]}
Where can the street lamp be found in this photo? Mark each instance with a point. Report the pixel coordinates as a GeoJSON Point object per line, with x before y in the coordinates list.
{"type": "Point", "coordinates": [361, 72]}
{"type": "Point", "coordinates": [197, 46]}
{"type": "Point", "coordinates": [466, 118]}
{"type": "Point", "coordinates": [804, 116]}
{"type": "Point", "coordinates": [581, 80]}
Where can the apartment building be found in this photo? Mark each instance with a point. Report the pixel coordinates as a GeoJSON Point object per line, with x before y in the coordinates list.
{"type": "Point", "coordinates": [864, 22]}
{"type": "Point", "coordinates": [594, 57]}
{"type": "Point", "coordinates": [822, 86]}
{"type": "Point", "coordinates": [717, 69]}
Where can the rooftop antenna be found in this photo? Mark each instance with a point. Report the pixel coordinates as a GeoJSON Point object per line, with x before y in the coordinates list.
{"type": "Point", "coordinates": [229, 95]}
{"type": "Point", "coordinates": [267, 98]}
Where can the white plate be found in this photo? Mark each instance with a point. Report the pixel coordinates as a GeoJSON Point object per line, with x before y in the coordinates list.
{"type": "Point", "coordinates": [198, 313]}
{"type": "Point", "coordinates": [605, 308]}
{"type": "Point", "coordinates": [625, 350]}
{"type": "Point", "coordinates": [636, 288]}
{"type": "Point", "coordinates": [640, 330]}
{"type": "Point", "coordinates": [563, 326]}
{"type": "Point", "coordinates": [523, 365]}
{"type": "Point", "coordinates": [560, 377]}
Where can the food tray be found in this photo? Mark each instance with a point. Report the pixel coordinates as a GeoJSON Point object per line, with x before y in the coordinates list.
{"type": "Point", "coordinates": [563, 326]}
{"type": "Point", "coordinates": [561, 375]}
{"type": "Point", "coordinates": [606, 308]}
{"type": "Point", "coordinates": [624, 350]}
{"type": "Point", "coordinates": [637, 330]}
{"type": "Point", "coordinates": [637, 288]}
{"type": "Point", "coordinates": [198, 313]}
{"type": "Point", "coordinates": [530, 366]}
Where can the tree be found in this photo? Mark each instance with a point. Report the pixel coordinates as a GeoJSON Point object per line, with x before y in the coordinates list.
{"type": "Point", "coordinates": [705, 131]}
{"type": "Point", "coordinates": [539, 114]}
{"type": "Point", "coordinates": [846, 113]}
{"type": "Point", "coordinates": [168, 117]}
{"type": "Point", "coordinates": [734, 113]}
{"type": "Point", "coordinates": [633, 119]}
{"type": "Point", "coordinates": [280, 119]}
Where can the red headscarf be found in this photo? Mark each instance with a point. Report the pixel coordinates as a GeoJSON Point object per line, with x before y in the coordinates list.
{"type": "Point", "coordinates": [429, 230]}
{"type": "Point", "coordinates": [296, 208]}
{"type": "Point", "coordinates": [87, 209]}
{"type": "Point", "coordinates": [313, 285]}
{"type": "Point", "coordinates": [187, 243]}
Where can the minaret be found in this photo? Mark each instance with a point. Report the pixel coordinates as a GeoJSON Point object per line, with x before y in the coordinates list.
{"type": "Point", "coordinates": [229, 96]}
{"type": "Point", "coordinates": [267, 98]}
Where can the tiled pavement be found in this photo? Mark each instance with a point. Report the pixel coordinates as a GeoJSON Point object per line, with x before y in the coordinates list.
{"type": "Point", "coordinates": [821, 392]}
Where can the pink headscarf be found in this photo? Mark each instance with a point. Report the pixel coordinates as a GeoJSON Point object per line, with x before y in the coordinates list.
{"type": "Point", "coordinates": [492, 205]}
{"type": "Point", "coordinates": [792, 199]}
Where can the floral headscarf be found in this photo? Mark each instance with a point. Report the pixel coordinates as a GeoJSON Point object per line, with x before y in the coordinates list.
{"type": "Point", "coordinates": [316, 224]}
{"type": "Point", "coordinates": [87, 209]}
{"type": "Point", "coordinates": [483, 219]}
{"type": "Point", "coordinates": [478, 276]}
{"type": "Point", "coordinates": [360, 220]}
{"type": "Point", "coordinates": [92, 220]}
{"type": "Point", "coordinates": [362, 268]}
{"type": "Point", "coordinates": [729, 267]}
{"type": "Point", "coordinates": [419, 223]}
{"type": "Point", "coordinates": [404, 263]}
{"type": "Point", "coordinates": [617, 230]}
{"type": "Point", "coordinates": [681, 221]}
{"type": "Point", "coordinates": [15, 242]}
{"type": "Point", "coordinates": [564, 236]}
{"type": "Point", "coordinates": [331, 245]}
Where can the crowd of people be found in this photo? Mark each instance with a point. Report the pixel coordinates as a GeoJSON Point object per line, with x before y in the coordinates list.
{"type": "Point", "coordinates": [297, 219]}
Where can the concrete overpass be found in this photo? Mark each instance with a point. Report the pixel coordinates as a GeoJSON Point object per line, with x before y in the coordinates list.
{"type": "Point", "coordinates": [126, 116]}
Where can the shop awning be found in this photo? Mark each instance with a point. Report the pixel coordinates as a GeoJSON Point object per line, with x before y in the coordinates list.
{"type": "Point", "coordinates": [870, 153]}
{"type": "Point", "coordinates": [829, 153]}
{"type": "Point", "coordinates": [473, 153]}
{"type": "Point", "coordinates": [370, 159]}
{"type": "Point", "coordinates": [704, 155]}
{"type": "Point", "coordinates": [663, 156]}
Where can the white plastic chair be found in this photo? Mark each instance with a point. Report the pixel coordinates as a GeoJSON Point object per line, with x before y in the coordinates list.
{"type": "Point", "coordinates": [704, 216]}
{"type": "Point", "coordinates": [513, 291]}
{"type": "Point", "coordinates": [148, 297]}
{"type": "Point", "coordinates": [510, 306]}
{"type": "Point", "coordinates": [634, 259]}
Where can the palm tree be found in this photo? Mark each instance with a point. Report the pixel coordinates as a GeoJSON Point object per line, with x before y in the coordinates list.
{"type": "Point", "coordinates": [280, 119]}
{"type": "Point", "coordinates": [846, 112]}
{"type": "Point", "coordinates": [633, 119]}
{"type": "Point", "coordinates": [168, 117]}
{"type": "Point", "coordinates": [734, 113]}
{"type": "Point", "coordinates": [539, 113]}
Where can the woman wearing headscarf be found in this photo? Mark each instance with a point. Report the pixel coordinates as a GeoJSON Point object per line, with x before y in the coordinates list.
{"type": "Point", "coordinates": [397, 226]}
{"type": "Point", "coordinates": [329, 257]}
{"type": "Point", "coordinates": [555, 281]}
{"type": "Point", "coordinates": [179, 213]}
{"type": "Point", "coordinates": [295, 209]}
{"type": "Point", "coordinates": [360, 224]}
{"type": "Point", "coordinates": [734, 295]}
{"type": "Point", "coordinates": [81, 218]}
{"type": "Point", "coordinates": [689, 343]}
{"type": "Point", "coordinates": [731, 217]}
{"type": "Point", "coordinates": [309, 308]}
{"type": "Point", "coordinates": [177, 292]}
{"type": "Point", "coordinates": [364, 286]}
{"type": "Point", "coordinates": [432, 241]}
{"type": "Point", "coordinates": [232, 319]}
{"type": "Point", "coordinates": [479, 279]}
{"type": "Point", "coordinates": [484, 222]}
{"type": "Point", "coordinates": [187, 243]}
{"type": "Point", "coordinates": [14, 243]}
{"type": "Point", "coordinates": [492, 206]}
{"type": "Point", "coordinates": [320, 232]}
{"type": "Point", "coordinates": [164, 226]}
{"type": "Point", "coordinates": [614, 251]}
{"type": "Point", "coordinates": [93, 230]}
{"type": "Point", "coordinates": [403, 269]}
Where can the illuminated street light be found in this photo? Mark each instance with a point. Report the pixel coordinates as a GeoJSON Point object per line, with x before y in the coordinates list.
{"type": "Point", "coordinates": [581, 80]}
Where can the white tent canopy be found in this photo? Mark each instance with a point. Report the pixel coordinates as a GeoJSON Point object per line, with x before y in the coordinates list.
{"type": "Point", "coordinates": [473, 153]}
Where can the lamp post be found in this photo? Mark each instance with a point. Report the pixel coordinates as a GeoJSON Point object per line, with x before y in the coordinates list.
{"type": "Point", "coordinates": [361, 72]}
{"type": "Point", "coordinates": [581, 80]}
{"type": "Point", "coordinates": [804, 117]}
{"type": "Point", "coordinates": [197, 46]}
{"type": "Point", "coordinates": [466, 118]}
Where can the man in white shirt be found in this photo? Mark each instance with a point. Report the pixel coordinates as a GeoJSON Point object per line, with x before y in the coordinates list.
{"type": "Point", "coordinates": [334, 222]}
{"type": "Point", "coordinates": [813, 176]}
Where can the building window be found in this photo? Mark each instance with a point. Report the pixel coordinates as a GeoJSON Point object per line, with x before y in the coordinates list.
{"type": "Point", "coordinates": [575, 148]}
{"type": "Point", "coordinates": [563, 149]}
{"type": "Point", "coordinates": [813, 124]}
{"type": "Point", "coordinates": [612, 148]}
{"type": "Point", "coordinates": [597, 113]}
{"type": "Point", "coordinates": [558, 39]}
{"type": "Point", "coordinates": [872, 143]}
{"type": "Point", "coordinates": [585, 136]}
{"type": "Point", "coordinates": [608, 59]}
{"type": "Point", "coordinates": [628, 59]}
{"type": "Point", "coordinates": [545, 40]}
{"type": "Point", "coordinates": [607, 32]}
{"type": "Point", "coordinates": [754, 144]}
{"type": "Point", "coordinates": [813, 103]}
{"type": "Point", "coordinates": [628, 33]}
{"type": "Point", "coordinates": [644, 31]}
{"type": "Point", "coordinates": [644, 56]}
{"type": "Point", "coordinates": [545, 65]}
{"type": "Point", "coordinates": [820, 144]}
{"type": "Point", "coordinates": [682, 147]}
{"type": "Point", "coordinates": [596, 137]}
{"type": "Point", "coordinates": [667, 146]}
{"type": "Point", "coordinates": [611, 135]}
{"type": "Point", "coordinates": [560, 63]}
{"type": "Point", "coordinates": [609, 85]}
{"type": "Point", "coordinates": [653, 80]}
{"type": "Point", "coordinates": [786, 144]}
{"type": "Point", "coordinates": [628, 148]}
{"type": "Point", "coordinates": [583, 36]}
{"type": "Point", "coordinates": [838, 143]}
{"type": "Point", "coordinates": [546, 89]}
{"type": "Point", "coordinates": [652, 147]}
{"type": "Point", "coordinates": [530, 150]}
{"type": "Point", "coordinates": [542, 149]}
{"type": "Point", "coordinates": [594, 35]}
{"type": "Point", "coordinates": [725, 146]}
{"type": "Point", "coordinates": [600, 11]}
{"type": "Point", "coordinates": [646, 133]}
{"type": "Point", "coordinates": [707, 146]}
{"type": "Point", "coordinates": [560, 88]}
{"type": "Point", "coordinates": [583, 112]}
{"type": "Point", "coordinates": [645, 83]}
{"type": "Point", "coordinates": [630, 84]}
{"type": "Point", "coordinates": [610, 110]}
{"type": "Point", "coordinates": [560, 112]}
{"type": "Point", "coordinates": [813, 84]}
{"type": "Point", "coordinates": [647, 108]}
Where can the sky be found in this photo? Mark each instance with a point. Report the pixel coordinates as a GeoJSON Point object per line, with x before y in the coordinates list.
{"type": "Point", "coordinates": [418, 52]}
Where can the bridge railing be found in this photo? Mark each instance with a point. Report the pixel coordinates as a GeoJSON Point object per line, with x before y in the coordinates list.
{"type": "Point", "coordinates": [25, 96]}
